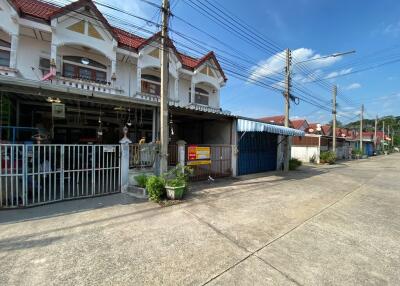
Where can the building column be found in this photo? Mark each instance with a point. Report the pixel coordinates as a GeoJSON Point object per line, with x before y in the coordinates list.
{"type": "Point", "coordinates": [113, 70]}
{"type": "Point", "coordinates": [13, 51]}
{"type": "Point", "coordinates": [139, 78]}
{"type": "Point", "coordinates": [53, 56]}
{"type": "Point", "coordinates": [176, 89]}
{"type": "Point", "coordinates": [192, 91]}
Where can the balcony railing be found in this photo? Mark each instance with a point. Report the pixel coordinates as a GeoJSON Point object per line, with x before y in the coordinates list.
{"type": "Point", "coordinates": [87, 85]}
{"type": "Point", "coordinates": [152, 98]}
{"type": "Point", "coordinates": [7, 71]}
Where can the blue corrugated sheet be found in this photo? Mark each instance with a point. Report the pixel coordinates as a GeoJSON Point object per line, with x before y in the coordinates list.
{"type": "Point", "coordinates": [244, 125]}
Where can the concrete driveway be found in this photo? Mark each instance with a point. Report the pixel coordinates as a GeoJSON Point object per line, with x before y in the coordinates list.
{"type": "Point", "coordinates": [331, 225]}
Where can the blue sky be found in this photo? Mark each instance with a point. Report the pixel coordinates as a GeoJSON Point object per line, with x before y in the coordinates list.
{"type": "Point", "coordinates": [311, 28]}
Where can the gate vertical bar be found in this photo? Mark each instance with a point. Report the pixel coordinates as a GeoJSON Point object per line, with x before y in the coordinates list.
{"type": "Point", "coordinates": [24, 176]}
{"type": "Point", "coordinates": [93, 147]}
{"type": "Point", "coordinates": [62, 182]}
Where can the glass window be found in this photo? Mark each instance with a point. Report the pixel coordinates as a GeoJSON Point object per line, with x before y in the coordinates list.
{"type": "Point", "coordinates": [201, 99]}
{"type": "Point", "coordinates": [4, 58]}
{"type": "Point", "coordinates": [101, 77]}
{"type": "Point", "coordinates": [151, 88]}
{"type": "Point", "coordinates": [69, 70]}
{"type": "Point", "coordinates": [85, 73]}
{"type": "Point", "coordinates": [44, 65]}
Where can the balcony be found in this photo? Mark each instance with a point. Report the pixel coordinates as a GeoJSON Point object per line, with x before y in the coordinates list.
{"type": "Point", "coordinates": [7, 71]}
{"type": "Point", "coordinates": [87, 85]}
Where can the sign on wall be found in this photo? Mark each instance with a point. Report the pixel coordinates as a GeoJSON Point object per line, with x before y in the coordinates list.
{"type": "Point", "coordinates": [199, 155]}
{"type": "Point", "coordinates": [58, 110]}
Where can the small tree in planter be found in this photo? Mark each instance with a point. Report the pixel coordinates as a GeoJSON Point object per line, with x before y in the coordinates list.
{"type": "Point", "coordinates": [140, 187]}
{"type": "Point", "coordinates": [177, 181]}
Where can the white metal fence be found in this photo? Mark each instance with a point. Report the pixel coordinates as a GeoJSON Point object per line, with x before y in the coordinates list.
{"type": "Point", "coordinates": [39, 174]}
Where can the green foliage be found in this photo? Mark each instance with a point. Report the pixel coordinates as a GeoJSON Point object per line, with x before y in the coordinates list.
{"type": "Point", "coordinates": [328, 157]}
{"type": "Point", "coordinates": [356, 152]}
{"type": "Point", "coordinates": [177, 182]}
{"type": "Point", "coordinates": [141, 180]}
{"type": "Point", "coordinates": [294, 164]}
{"type": "Point", "coordinates": [155, 188]}
{"type": "Point", "coordinates": [182, 173]}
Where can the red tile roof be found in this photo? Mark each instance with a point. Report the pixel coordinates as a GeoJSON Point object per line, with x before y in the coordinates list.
{"type": "Point", "coordinates": [326, 129]}
{"type": "Point", "coordinates": [126, 39]}
{"type": "Point", "coordinates": [44, 11]}
{"type": "Point", "coordinates": [278, 119]}
{"type": "Point", "coordinates": [297, 123]}
{"type": "Point", "coordinates": [35, 9]}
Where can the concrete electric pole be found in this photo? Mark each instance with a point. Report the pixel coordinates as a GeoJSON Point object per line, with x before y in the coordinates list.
{"type": "Point", "coordinates": [287, 107]}
{"type": "Point", "coordinates": [361, 127]}
{"type": "Point", "coordinates": [164, 89]}
{"type": "Point", "coordinates": [334, 118]}
{"type": "Point", "coordinates": [383, 141]}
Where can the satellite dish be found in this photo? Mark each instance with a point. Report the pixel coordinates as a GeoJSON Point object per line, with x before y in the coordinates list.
{"type": "Point", "coordinates": [311, 130]}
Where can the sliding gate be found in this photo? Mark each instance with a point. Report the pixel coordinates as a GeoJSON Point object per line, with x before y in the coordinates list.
{"type": "Point", "coordinates": [39, 174]}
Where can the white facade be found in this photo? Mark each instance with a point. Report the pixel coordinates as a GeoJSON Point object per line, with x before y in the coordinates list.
{"type": "Point", "coordinates": [71, 38]}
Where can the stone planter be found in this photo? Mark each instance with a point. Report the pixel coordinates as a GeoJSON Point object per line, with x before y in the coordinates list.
{"type": "Point", "coordinates": [175, 193]}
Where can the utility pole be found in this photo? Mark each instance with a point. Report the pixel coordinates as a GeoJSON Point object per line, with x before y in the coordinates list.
{"type": "Point", "coordinates": [334, 118]}
{"type": "Point", "coordinates": [388, 137]}
{"type": "Point", "coordinates": [376, 126]}
{"type": "Point", "coordinates": [287, 107]}
{"type": "Point", "coordinates": [361, 127]}
{"type": "Point", "coordinates": [164, 90]}
{"type": "Point", "coordinates": [384, 140]}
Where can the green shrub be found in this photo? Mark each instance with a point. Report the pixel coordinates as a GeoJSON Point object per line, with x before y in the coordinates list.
{"type": "Point", "coordinates": [141, 180]}
{"type": "Point", "coordinates": [328, 157]}
{"type": "Point", "coordinates": [294, 164]}
{"type": "Point", "coordinates": [155, 188]}
{"type": "Point", "coordinates": [356, 152]}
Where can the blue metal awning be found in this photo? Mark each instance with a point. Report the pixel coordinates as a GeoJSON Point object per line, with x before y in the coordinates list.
{"type": "Point", "coordinates": [245, 125]}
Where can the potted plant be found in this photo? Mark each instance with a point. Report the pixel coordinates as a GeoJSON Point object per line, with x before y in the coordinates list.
{"type": "Point", "coordinates": [175, 188]}
{"type": "Point", "coordinates": [177, 182]}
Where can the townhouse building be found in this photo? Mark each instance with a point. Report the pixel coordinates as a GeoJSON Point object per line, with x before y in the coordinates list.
{"type": "Point", "coordinates": [68, 73]}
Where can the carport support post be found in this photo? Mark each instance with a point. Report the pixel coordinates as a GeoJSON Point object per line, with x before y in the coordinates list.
{"type": "Point", "coordinates": [124, 167]}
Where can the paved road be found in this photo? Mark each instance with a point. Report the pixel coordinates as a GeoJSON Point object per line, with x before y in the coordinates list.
{"type": "Point", "coordinates": [331, 225]}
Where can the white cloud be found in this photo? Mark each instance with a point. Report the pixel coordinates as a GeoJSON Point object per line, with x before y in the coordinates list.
{"type": "Point", "coordinates": [276, 64]}
{"type": "Point", "coordinates": [392, 29]}
{"type": "Point", "coordinates": [339, 73]}
{"type": "Point", "coordinates": [355, 85]}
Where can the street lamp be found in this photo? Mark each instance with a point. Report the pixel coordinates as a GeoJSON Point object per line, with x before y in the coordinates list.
{"type": "Point", "coordinates": [334, 55]}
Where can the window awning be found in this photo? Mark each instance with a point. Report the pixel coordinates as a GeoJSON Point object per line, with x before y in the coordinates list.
{"type": "Point", "coordinates": [244, 125]}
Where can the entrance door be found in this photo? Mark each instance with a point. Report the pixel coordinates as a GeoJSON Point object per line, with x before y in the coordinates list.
{"type": "Point", "coordinates": [257, 152]}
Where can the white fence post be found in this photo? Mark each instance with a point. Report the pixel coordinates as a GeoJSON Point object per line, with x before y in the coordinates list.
{"type": "Point", "coordinates": [124, 161]}
{"type": "Point", "coordinates": [181, 152]}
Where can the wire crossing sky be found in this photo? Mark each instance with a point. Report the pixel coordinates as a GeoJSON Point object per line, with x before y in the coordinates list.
{"type": "Point", "coordinates": [249, 39]}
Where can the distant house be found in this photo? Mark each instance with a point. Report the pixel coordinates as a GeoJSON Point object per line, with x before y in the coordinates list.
{"type": "Point", "coordinates": [300, 124]}
{"type": "Point", "coordinates": [277, 120]}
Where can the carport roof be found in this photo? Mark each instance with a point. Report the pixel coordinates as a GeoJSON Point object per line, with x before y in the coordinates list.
{"type": "Point", "coordinates": [248, 125]}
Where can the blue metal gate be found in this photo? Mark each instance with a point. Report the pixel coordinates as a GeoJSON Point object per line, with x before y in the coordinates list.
{"type": "Point", "coordinates": [257, 152]}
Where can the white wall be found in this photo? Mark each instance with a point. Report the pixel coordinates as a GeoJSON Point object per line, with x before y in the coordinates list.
{"type": "Point", "coordinates": [305, 153]}
{"type": "Point", "coordinates": [29, 52]}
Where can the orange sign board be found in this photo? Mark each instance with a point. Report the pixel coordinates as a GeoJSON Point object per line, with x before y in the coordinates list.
{"type": "Point", "coordinates": [199, 155]}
